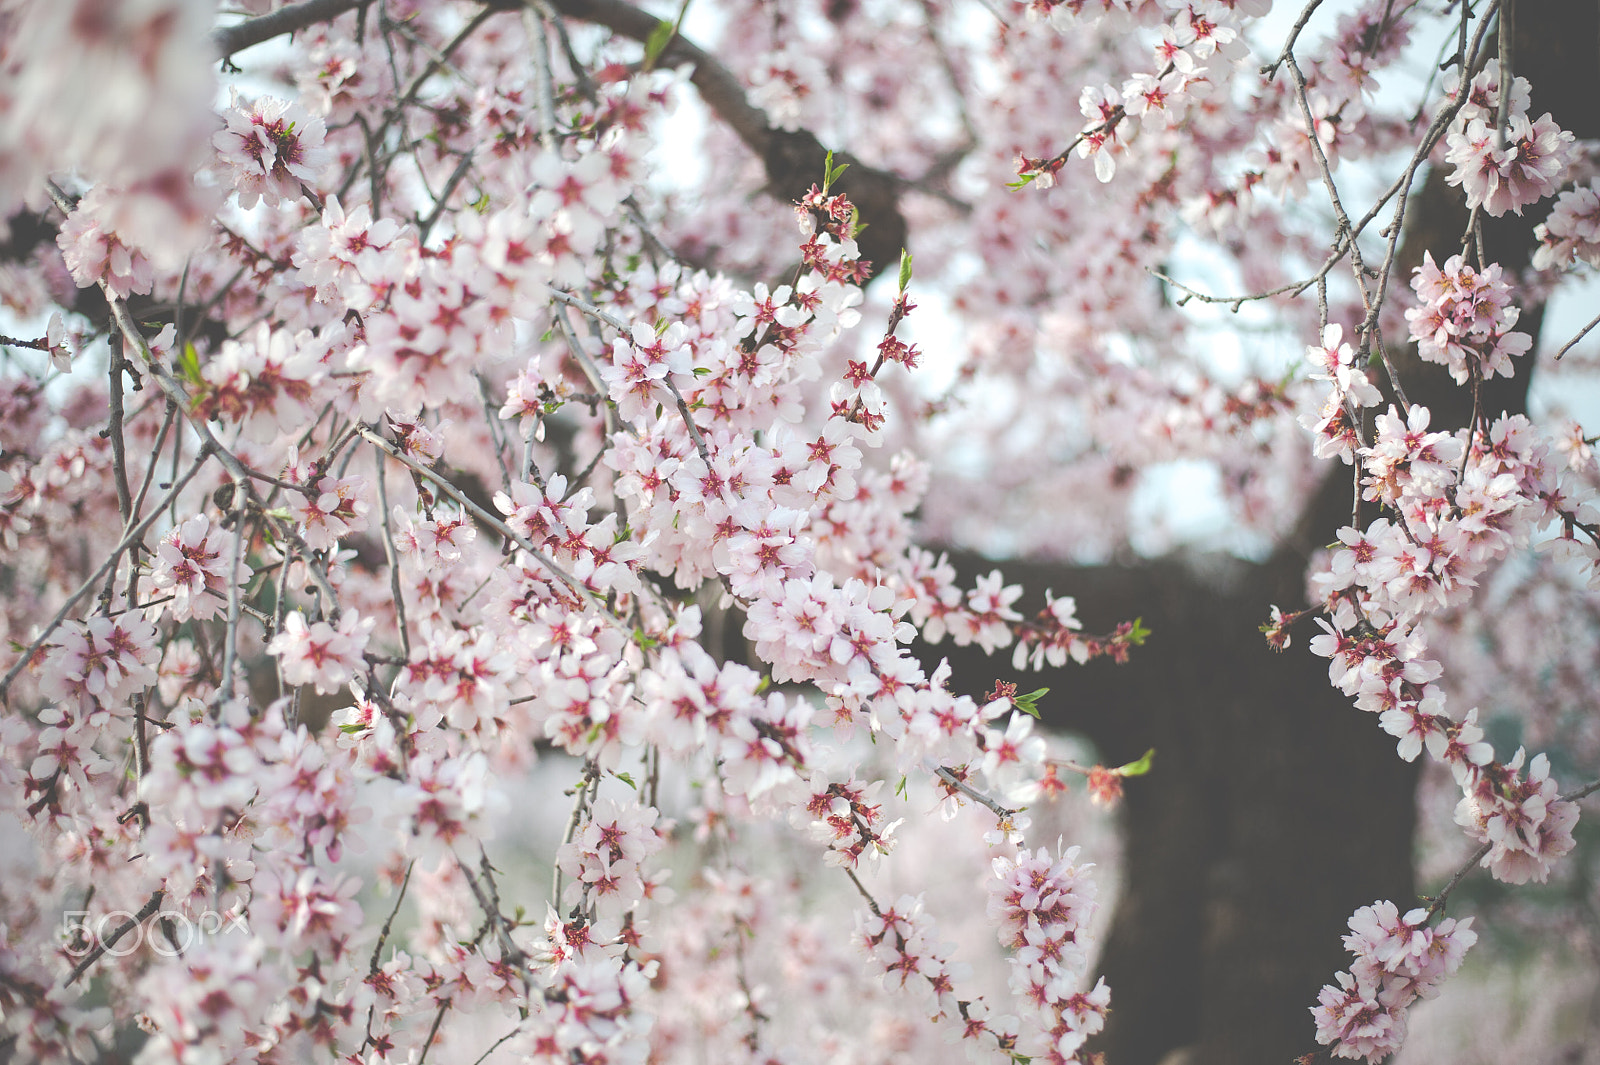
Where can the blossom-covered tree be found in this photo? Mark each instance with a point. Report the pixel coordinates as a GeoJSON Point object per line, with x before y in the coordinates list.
{"type": "Point", "coordinates": [476, 395]}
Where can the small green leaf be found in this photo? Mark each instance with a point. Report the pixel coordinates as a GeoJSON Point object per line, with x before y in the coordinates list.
{"type": "Point", "coordinates": [549, 335]}
{"type": "Point", "coordinates": [1029, 704]}
{"type": "Point", "coordinates": [662, 36]}
{"type": "Point", "coordinates": [189, 365]}
{"type": "Point", "coordinates": [352, 729]}
{"type": "Point", "coordinates": [594, 733]}
{"type": "Point", "coordinates": [626, 779]}
{"type": "Point", "coordinates": [905, 269]}
{"type": "Point", "coordinates": [702, 371]}
{"type": "Point", "coordinates": [833, 175]}
{"type": "Point", "coordinates": [1022, 182]}
{"type": "Point", "coordinates": [657, 42]}
{"type": "Point", "coordinates": [645, 640]}
{"type": "Point", "coordinates": [763, 684]}
{"type": "Point", "coordinates": [1138, 768]}
{"type": "Point", "coordinates": [1138, 633]}
{"type": "Point", "coordinates": [827, 171]}
{"type": "Point", "coordinates": [900, 788]}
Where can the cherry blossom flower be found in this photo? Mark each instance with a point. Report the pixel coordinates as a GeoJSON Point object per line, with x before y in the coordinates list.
{"type": "Point", "coordinates": [320, 654]}
{"type": "Point", "coordinates": [94, 252]}
{"type": "Point", "coordinates": [194, 565]}
{"type": "Point", "coordinates": [271, 148]}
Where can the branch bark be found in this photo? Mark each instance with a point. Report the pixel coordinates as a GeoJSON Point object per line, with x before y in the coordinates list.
{"type": "Point", "coordinates": [793, 159]}
{"type": "Point", "coordinates": [291, 19]}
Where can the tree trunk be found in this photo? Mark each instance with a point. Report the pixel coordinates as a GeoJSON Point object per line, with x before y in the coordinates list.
{"type": "Point", "coordinates": [1275, 808]}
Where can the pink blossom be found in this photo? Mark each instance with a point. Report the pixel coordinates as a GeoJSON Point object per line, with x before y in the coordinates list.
{"type": "Point", "coordinates": [194, 565]}
{"type": "Point", "coordinates": [271, 148]}
{"type": "Point", "coordinates": [319, 654]}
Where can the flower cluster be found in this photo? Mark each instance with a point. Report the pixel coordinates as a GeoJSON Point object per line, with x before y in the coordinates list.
{"type": "Point", "coordinates": [606, 856]}
{"type": "Point", "coordinates": [1464, 319]}
{"type": "Point", "coordinates": [194, 566]}
{"type": "Point", "coordinates": [1506, 169]}
{"type": "Point", "coordinates": [1398, 960]}
{"type": "Point", "coordinates": [273, 148]}
{"type": "Point", "coordinates": [1572, 230]}
{"type": "Point", "coordinates": [320, 654]}
{"type": "Point", "coordinates": [1349, 390]}
{"type": "Point", "coordinates": [1043, 905]}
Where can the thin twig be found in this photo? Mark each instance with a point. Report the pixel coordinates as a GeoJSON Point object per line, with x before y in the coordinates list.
{"type": "Point", "coordinates": [956, 782]}
{"type": "Point", "coordinates": [145, 912]}
{"type": "Point", "coordinates": [1270, 71]}
{"type": "Point", "coordinates": [1582, 793]}
{"type": "Point", "coordinates": [1569, 345]}
{"type": "Point", "coordinates": [130, 538]}
{"type": "Point", "coordinates": [1438, 901]}
{"type": "Point", "coordinates": [578, 587]}
{"type": "Point", "coordinates": [389, 556]}
{"type": "Point", "coordinates": [383, 936]}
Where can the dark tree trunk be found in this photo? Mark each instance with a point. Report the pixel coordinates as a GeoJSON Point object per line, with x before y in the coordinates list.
{"type": "Point", "coordinates": [1275, 808]}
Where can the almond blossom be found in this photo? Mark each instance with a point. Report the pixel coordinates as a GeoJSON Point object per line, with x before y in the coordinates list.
{"type": "Point", "coordinates": [272, 147]}
{"type": "Point", "coordinates": [477, 517]}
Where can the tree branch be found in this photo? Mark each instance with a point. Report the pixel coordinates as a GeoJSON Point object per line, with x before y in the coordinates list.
{"type": "Point", "coordinates": [247, 34]}
{"type": "Point", "coordinates": [793, 160]}
{"type": "Point", "coordinates": [718, 86]}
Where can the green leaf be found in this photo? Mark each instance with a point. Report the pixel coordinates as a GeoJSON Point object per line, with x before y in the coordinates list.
{"type": "Point", "coordinates": [1022, 182]}
{"type": "Point", "coordinates": [657, 42]}
{"type": "Point", "coordinates": [645, 640]}
{"type": "Point", "coordinates": [626, 779]}
{"type": "Point", "coordinates": [1029, 704]}
{"type": "Point", "coordinates": [900, 788]}
{"type": "Point", "coordinates": [352, 729]}
{"type": "Point", "coordinates": [905, 269]}
{"type": "Point", "coordinates": [189, 366]}
{"type": "Point", "coordinates": [1138, 633]}
{"type": "Point", "coordinates": [1138, 768]}
{"type": "Point", "coordinates": [827, 171]}
{"type": "Point", "coordinates": [702, 371]}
